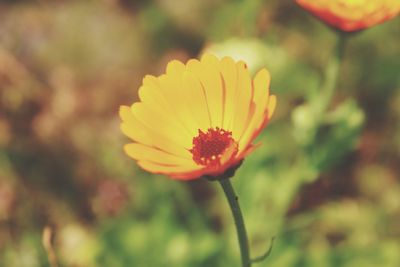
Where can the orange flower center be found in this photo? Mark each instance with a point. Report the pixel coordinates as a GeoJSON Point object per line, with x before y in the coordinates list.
{"type": "Point", "coordinates": [213, 147]}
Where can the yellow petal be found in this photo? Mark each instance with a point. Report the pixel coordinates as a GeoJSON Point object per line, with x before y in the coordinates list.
{"type": "Point", "coordinates": [141, 133]}
{"type": "Point", "coordinates": [271, 105]}
{"type": "Point", "coordinates": [207, 72]}
{"type": "Point", "coordinates": [242, 102]}
{"type": "Point", "coordinates": [142, 152]}
{"type": "Point", "coordinates": [170, 92]}
{"type": "Point", "coordinates": [150, 137]}
{"type": "Point", "coordinates": [125, 113]}
{"type": "Point", "coordinates": [261, 97]}
{"type": "Point", "coordinates": [195, 99]}
{"type": "Point", "coordinates": [177, 95]}
{"type": "Point", "coordinates": [153, 97]}
{"type": "Point", "coordinates": [178, 172]}
{"type": "Point", "coordinates": [160, 93]}
{"type": "Point", "coordinates": [252, 132]}
{"type": "Point", "coordinates": [229, 75]}
{"type": "Point", "coordinates": [129, 127]}
{"type": "Point", "coordinates": [261, 85]}
{"type": "Point", "coordinates": [175, 67]}
{"type": "Point", "coordinates": [258, 122]}
{"type": "Point", "coordinates": [150, 81]}
{"type": "Point", "coordinates": [165, 124]}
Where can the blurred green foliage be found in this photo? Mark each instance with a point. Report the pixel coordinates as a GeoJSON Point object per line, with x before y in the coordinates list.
{"type": "Point", "coordinates": [328, 190]}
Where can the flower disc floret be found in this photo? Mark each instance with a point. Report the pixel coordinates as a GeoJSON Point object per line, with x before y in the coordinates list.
{"type": "Point", "coordinates": [210, 147]}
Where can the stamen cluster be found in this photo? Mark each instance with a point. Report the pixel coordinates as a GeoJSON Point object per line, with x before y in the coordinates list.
{"type": "Point", "coordinates": [209, 147]}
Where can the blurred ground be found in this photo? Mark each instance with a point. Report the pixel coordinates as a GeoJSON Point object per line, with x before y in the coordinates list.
{"type": "Point", "coordinates": [332, 199]}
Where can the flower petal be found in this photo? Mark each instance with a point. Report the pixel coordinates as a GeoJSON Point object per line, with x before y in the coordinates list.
{"type": "Point", "coordinates": [271, 105]}
{"type": "Point", "coordinates": [128, 127]}
{"type": "Point", "coordinates": [195, 99]}
{"type": "Point", "coordinates": [143, 152]}
{"type": "Point", "coordinates": [261, 84]}
{"type": "Point", "coordinates": [155, 119]}
{"type": "Point", "coordinates": [228, 71]}
{"type": "Point", "coordinates": [243, 99]}
{"type": "Point", "coordinates": [140, 133]}
{"type": "Point", "coordinates": [207, 73]}
{"type": "Point", "coordinates": [172, 88]}
{"type": "Point", "coordinates": [165, 94]}
{"type": "Point", "coordinates": [175, 67]}
{"type": "Point", "coordinates": [176, 172]}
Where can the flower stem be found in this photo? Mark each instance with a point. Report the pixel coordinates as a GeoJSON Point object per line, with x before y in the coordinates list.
{"type": "Point", "coordinates": [331, 74]}
{"type": "Point", "coordinates": [239, 222]}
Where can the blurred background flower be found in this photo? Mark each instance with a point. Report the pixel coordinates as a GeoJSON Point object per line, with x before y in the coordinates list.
{"type": "Point", "coordinates": [352, 15]}
{"type": "Point", "coordinates": [66, 66]}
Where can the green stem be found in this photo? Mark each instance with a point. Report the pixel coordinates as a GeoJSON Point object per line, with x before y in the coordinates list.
{"type": "Point", "coordinates": [239, 222]}
{"type": "Point", "coordinates": [331, 74]}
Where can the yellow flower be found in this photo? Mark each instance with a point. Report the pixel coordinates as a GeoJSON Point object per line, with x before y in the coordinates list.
{"type": "Point", "coordinates": [352, 15]}
{"type": "Point", "coordinates": [198, 119]}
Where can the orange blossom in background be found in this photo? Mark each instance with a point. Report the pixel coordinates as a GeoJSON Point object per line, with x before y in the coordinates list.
{"type": "Point", "coordinates": [352, 15]}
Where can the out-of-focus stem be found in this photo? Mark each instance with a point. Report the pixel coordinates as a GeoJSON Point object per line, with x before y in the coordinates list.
{"type": "Point", "coordinates": [331, 74]}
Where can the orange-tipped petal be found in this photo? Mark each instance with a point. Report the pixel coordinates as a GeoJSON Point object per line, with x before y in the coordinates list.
{"type": "Point", "coordinates": [142, 152]}
{"type": "Point", "coordinates": [175, 172]}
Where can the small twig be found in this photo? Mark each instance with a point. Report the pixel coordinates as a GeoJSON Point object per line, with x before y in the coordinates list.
{"type": "Point", "coordinates": [48, 246]}
{"type": "Point", "coordinates": [266, 254]}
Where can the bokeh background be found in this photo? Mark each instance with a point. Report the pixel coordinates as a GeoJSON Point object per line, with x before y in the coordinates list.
{"type": "Point", "coordinates": [329, 191]}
